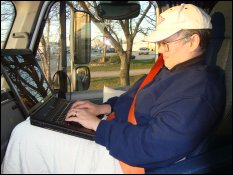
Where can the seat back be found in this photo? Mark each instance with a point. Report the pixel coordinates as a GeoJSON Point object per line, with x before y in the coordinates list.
{"type": "Point", "coordinates": [219, 52]}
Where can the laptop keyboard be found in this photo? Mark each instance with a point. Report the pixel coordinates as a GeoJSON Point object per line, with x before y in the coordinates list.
{"type": "Point", "coordinates": [64, 112]}
{"type": "Point", "coordinates": [61, 118]}
{"type": "Point", "coordinates": [57, 110]}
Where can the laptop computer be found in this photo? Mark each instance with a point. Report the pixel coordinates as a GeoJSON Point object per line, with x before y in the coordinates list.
{"type": "Point", "coordinates": [35, 96]}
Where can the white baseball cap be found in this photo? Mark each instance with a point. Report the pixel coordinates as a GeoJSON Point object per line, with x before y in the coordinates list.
{"type": "Point", "coordinates": [174, 19]}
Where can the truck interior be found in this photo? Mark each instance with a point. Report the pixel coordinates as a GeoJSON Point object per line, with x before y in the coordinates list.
{"type": "Point", "coordinates": [214, 155]}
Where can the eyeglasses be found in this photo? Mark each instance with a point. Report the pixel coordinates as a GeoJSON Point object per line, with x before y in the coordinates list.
{"type": "Point", "coordinates": [165, 45]}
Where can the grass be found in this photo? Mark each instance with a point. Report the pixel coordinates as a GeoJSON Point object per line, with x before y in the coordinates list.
{"type": "Point", "coordinates": [98, 83]}
{"type": "Point", "coordinates": [113, 64]}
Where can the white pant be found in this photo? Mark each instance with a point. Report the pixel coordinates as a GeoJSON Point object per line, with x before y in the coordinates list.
{"type": "Point", "coordinates": [36, 150]}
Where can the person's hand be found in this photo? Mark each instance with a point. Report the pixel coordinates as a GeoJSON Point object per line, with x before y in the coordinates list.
{"type": "Point", "coordinates": [84, 117]}
{"type": "Point", "coordinates": [91, 107]}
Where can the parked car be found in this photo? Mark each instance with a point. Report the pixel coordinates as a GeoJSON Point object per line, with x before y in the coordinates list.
{"type": "Point", "coordinates": [108, 50]}
{"type": "Point", "coordinates": [143, 51]}
{"type": "Point", "coordinates": [133, 57]}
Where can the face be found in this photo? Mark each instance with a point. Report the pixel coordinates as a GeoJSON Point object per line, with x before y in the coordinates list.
{"type": "Point", "coordinates": [174, 49]}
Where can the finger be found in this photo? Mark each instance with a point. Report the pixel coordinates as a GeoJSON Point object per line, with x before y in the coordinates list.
{"type": "Point", "coordinates": [72, 110]}
{"type": "Point", "coordinates": [79, 104]}
{"type": "Point", "coordinates": [72, 119]}
{"type": "Point", "coordinates": [71, 113]}
{"type": "Point", "coordinates": [76, 103]}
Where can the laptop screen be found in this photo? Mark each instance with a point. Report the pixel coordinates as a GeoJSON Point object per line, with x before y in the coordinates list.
{"type": "Point", "coordinates": [24, 75]}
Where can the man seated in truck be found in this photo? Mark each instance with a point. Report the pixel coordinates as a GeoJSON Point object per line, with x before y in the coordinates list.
{"type": "Point", "coordinates": [160, 120]}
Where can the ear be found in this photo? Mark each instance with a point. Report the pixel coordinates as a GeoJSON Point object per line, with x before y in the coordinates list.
{"type": "Point", "coordinates": [195, 42]}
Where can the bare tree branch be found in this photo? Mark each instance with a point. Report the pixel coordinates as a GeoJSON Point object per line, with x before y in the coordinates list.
{"type": "Point", "coordinates": [141, 19]}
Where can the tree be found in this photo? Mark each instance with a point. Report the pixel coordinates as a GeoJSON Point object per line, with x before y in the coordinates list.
{"type": "Point", "coordinates": [130, 29]}
{"type": "Point", "coordinates": [45, 50]}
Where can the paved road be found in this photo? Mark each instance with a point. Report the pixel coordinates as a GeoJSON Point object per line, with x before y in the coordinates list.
{"type": "Point", "coordinates": [151, 55]}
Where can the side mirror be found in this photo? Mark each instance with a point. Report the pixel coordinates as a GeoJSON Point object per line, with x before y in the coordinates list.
{"type": "Point", "coordinates": [118, 10]}
{"type": "Point", "coordinates": [80, 39]}
{"type": "Point", "coordinates": [83, 77]}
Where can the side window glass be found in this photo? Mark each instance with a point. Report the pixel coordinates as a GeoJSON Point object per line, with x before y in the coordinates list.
{"type": "Point", "coordinates": [105, 59]}
{"type": "Point", "coordinates": [48, 53]}
{"type": "Point", "coordinates": [7, 17]}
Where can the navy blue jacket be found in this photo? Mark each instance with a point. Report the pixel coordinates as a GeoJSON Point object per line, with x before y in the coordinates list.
{"type": "Point", "coordinates": [174, 113]}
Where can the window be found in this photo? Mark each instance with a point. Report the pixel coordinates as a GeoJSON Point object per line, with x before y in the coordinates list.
{"type": "Point", "coordinates": [7, 17]}
{"type": "Point", "coordinates": [104, 56]}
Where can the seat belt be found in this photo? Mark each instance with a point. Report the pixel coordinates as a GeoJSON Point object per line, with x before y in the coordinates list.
{"type": "Point", "coordinates": [127, 169]}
